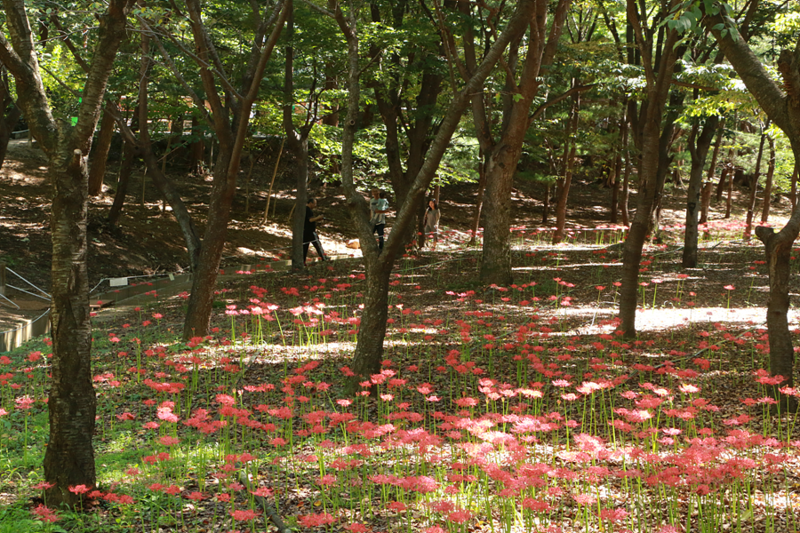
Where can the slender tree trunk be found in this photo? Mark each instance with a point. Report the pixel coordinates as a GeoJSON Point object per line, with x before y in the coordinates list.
{"type": "Point", "coordinates": [698, 148]}
{"type": "Point", "coordinates": [125, 169]}
{"type": "Point", "coordinates": [751, 205]}
{"type": "Point", "coordinates": [729, 201]}
{"type": "Point", "coordinates": [768, 184]}
{"type": "Point", "coordinates": [546, 205]}
{"type": "Point", "coordinates": [476, 218]}
{"type": "Point", "coordinates": [564, 184]}
{"type": "Point", "coordinates": [708, 188]}
{"type": "Point", "coordinates": [626, 190]}
{"type": "Point", "coordinates": [196, 149]}
{"type": "Point", "coordinates": [722, 183]}
{"type": "Point", "coordinates": [99, 157]}
{"type": "Point", "coordinates": [298, 147]}
{"type": "Point", "coordinates": [617, 183]}
{"type": "Point", "coordinates": [705, 201]}
{"type": "Point", "coordinates": [162, 183]}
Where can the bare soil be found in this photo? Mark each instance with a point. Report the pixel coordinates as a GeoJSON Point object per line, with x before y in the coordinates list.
{"type": "Point", "coordinates": [148, 241]}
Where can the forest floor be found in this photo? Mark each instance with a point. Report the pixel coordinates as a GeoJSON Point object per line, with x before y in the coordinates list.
{"type": "Point", "coordinates": [500, 409]}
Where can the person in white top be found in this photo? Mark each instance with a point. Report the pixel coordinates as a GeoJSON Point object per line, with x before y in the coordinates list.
{"type": "Point", "coordinates": [378, 207]}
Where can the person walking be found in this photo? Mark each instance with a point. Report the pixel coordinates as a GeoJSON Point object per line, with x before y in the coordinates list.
{"type": "Point", "coordinates": [378, 207]}
{"type": "Point", "coordinates": [310, 231]}
{"type": "Point", "coordinates": [432, 216]}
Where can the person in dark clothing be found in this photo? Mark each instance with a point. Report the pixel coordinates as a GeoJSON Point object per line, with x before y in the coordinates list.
{"type": "Point", "coordinates": [310, 231]}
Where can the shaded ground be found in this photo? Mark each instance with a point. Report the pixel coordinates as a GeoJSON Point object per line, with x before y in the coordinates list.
{"type": "Point", "coordinates": [148, 241]}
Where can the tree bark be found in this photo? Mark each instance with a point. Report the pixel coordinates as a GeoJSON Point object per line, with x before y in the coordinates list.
{"type": "Point", "coordinates": [782, 106]}
{"type": "Point", "coordinates": [125, 170]}
{"type": "Point", "coordinates": [367, 357]}
{"type": "Point", "coordinates": [698, 149]}
{"type": "Point", "coordinates": [69, 458]}
{"type": "Point", "coordinates": [708, 188]}
{"type": "Point", "coordinates": [99, 157]}
{"type": "Point", "coordinates": [768, 183]}
{"type": "Point", "coordinates": [495, 265]}
{"type": "Point", "coordinates": [476, 218]}
{"type": "Point", "coordinates": [563, 184]}
{"type": "Point", "coordinates": [9, 114]}
{"type": "Point", "coordinates": [751, 205]}
{"type": "Point", "coordinates": [658, 77]}
{"type": "Point", "coordinates": [230, 126]}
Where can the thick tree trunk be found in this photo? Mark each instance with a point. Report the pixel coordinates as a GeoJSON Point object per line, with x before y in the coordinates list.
{"type": "Point", "coordinates": [503, 158]}
{"type": "Point", "coordinates": [372, 329]}
{"type": "Point", "coordinates": [204, 278]}
{"type": "Point", "coordinates": [658, 83]}
{"type": "Point", "coordinates": [778, 248]}
{"type": "Point", "coordinates": [99, 157]}
{"type": "Point", "coordinates": [69, 457]}
{"type": "Point", "coordinates": [768, 184]}
{"type": "Point", "coordinates": [496, 258]}
{"type": "Point", "coordinates": [698, 148]}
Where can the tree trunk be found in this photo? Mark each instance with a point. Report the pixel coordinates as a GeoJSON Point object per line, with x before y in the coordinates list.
{"type": "Point", "coordinates": [476, 218]}
{"type": "Point", "coordinates": [230, 126]}
{"type": "Point", "coordinates": [723, 176]}
{"type": "Point", "coordinates": [564, 183]}
{"type": "Point", "coordinates": [793, 196]}
{"type": "Point", "coordinates": [782, 106]}
{"type": "Point", "coordinates": [768, 184]}
{"type": "Point", "coordinates": [729, 200]}
{"type": "Point", "coordinates": [658, 82]}
{"type": "Point", "coordinates": [298, 147]}
{"type": "Point", "coordinates": [372, 329]}
{"type": "Point", "coordinates": [751, 205]}
{"type": "Point", "coordinates": [9, 114]}
{"type": "Point", "coordinates": [617, 182]}
{"type": "Point", "coordinates": [496, 258]}
{"type": "Point", "coordinates": [778, 248]}
{"type": "Point", "coordinates": [503, 158]}
{"type": "Point", "coordinates": [69, 457]}
{"type": "Point", "coordinates": [626, 190]}
{"type": "Point", "coordinates": [125, 169]}
{"type": "Point", "coordinates": [161, 182]}
{"type": "Point", "coordinates": [204, 278]}
{"type": "Point", "coordinates": [698, 149]}
{"type": "Point", "coordinates": [708, 188]}
{"type": "Point", "coordinates": [369, 351]}
{"type": "Point", "coordinates": [99, 157]}
{"type": "Point", "coordinates": [196, 149]}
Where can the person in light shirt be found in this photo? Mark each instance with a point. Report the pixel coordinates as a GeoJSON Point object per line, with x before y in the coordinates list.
{"type": "Point", "coordinates": [378, 207]}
